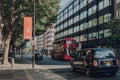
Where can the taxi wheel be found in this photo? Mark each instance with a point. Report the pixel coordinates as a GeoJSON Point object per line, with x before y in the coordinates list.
{"type": "Point", "coordinates": [88, 72]}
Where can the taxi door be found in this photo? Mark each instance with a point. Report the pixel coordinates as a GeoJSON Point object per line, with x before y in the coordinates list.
{"type": "Point", "coordinates": [78, 62]}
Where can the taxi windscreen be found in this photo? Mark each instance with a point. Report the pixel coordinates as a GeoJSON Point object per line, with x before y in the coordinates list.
{"type": "Point", "coordinates": [104, 54]}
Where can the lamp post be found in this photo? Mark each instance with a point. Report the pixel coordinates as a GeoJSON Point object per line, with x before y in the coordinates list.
{"type": "Point", "coordinates": [1, 27]}
{"type": "Point", "coordinates": [0, 17]}
{"type": "Point", "coordinates": [33, 55]}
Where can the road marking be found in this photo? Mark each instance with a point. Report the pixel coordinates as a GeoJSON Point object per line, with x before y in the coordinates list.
{"type": "Point", "coordinates": [28, 75]}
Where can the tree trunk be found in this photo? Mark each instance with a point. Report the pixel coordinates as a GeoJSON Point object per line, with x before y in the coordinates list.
{"type": "Point", "coordinates": [1, 36]}
{"type": "Point", "coordinates": [6, 43]}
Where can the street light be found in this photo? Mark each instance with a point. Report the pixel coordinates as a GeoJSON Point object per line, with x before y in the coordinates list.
{"type": "Point", "coordinates": [1, 27]}
{"type": "Point", "coordinates": [0, 17]}
{"type": "Point", "coordinates": [33, 55]}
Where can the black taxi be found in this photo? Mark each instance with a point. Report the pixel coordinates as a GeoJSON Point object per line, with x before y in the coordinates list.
{"type": "Point", "coordinates": [95, 60]}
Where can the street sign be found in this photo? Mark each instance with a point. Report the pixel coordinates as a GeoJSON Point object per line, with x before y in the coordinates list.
{"type": "Point", "coordinates": [28, 28]}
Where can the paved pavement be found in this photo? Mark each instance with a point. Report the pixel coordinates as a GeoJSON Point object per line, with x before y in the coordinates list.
{"type": "Point", "coordinates": [23, 71]}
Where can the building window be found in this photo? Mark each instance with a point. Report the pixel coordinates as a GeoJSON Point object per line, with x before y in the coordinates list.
{"type": "Point", "coordinates": [62, 26]}
{"type": "Point", "coordinates": [78, 7]}
{"type": "Point", "coordinates": [81, 27]}
{"type": "Point", "coordinates": [71, 11]}
{"type": "Point", "coordinates": [94, 22]}
{"type": "Point", "coordinates": [77, 28]}
{"type": "Point", "coordinates": [101, 34]}
{"type": "Point", "coordinates": [81, 16]}
{"type": "Point", "coordinates": [85, 14]}
{"type": "Point", "coordinates": [65, 16]}
{"type": "Point", "coordinates": [83, 37]}
{"type": "Point", "coordinates": [89, 1]}
{"type": "Point", "coordinates": [65, 33]}
{"type": "Point", "coordinates": [85, 26]}
{"type": "Point", "coordinates": [90, 36]}
{"type": "Point", "coordinates": [118, 13]}
{"type": "Point", "coordinates": [100, 19]}
{"type": "Point", "coordinates": [77, 38]}
{"type": "Point", "coordinates": [65, 24]}
{"type": "Point", "coordinates": [75, 9]}
{"type": "Point", "coordinates": [78, 17]}
{"type": "Point", "coordinates": [106, 3]}
{"type": "Point", "coordinates": [107, 17]}
{"type": "Point", "coordinates": [71, 30]}
{"type": "Point", "coordinates": [75, 3]}
{"type": "Point", "coordinates": [74, 19]}
{"type": "Point", "coordinates": [90, 23]}
{"type": "Point", "coordinates": [107, 33]}
{"type": "Point", "coordinates": [94, 9]}
{"type": "Point", "coordinates": [68, 31]}
{"type": "Point", "coordinates": [59, 28]}
{"type": "Point", "coordinates": [101, 6]}
{"type": "Point", "coordinates": [83, 3]}
{"type": "Point", "coordinates": [70, 7]}
{"type": "Point", "coordinates": [69, 22]}
{"type": "Point", "coordinates": [90, 11]}
{"type": "Point", "coordinates": [93, 36]}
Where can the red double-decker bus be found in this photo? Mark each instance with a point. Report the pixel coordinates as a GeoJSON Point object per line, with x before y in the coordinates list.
{"type": "Point", "coordinates": [64, 49]}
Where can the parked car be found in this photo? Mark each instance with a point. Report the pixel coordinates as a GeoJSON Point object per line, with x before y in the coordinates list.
{"type": "Point", "coordinates": [10, 55]}
{"type": "Point", "coordinates": [95, 60]}
{"type": "Point", "coordinates": [38, 56]}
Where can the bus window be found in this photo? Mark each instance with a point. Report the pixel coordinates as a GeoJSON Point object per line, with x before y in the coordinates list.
{"type": "Point", "coordinates": [66, 47]}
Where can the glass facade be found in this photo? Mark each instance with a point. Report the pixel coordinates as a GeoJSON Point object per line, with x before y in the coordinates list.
{"type": "Point", "coordinates": [118, 1]}
{"type": "Point", "coordinates": [84, 20]}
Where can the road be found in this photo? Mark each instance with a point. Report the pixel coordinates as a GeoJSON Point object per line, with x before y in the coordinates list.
{"type": "Point", "coordinates": [62, 68]}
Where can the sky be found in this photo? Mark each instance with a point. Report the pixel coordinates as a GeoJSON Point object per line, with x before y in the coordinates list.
{"type": "Point", "coordinates": [64, 2]}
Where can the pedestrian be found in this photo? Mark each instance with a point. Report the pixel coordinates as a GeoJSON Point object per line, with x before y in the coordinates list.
{"type": "Point", "coordinates": [46, 52]}
{"type": "Point", "coordinates": [42, 51]}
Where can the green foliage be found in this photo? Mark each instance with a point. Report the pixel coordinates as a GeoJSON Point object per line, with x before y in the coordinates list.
{"type": "Point", "coordinates": [114, 27]}
{"type": "Point", "coordinates": [13, 11]}
{"type": "Point", "coordinates": [46, 10]}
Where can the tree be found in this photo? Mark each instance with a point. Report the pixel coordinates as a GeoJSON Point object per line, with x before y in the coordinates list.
{"type": "Point", "coordinates": [46, 10]}
{"type": "Point", "coordinates": [12, 12]}
{"type": "Point", "coordinates": [114, 38]}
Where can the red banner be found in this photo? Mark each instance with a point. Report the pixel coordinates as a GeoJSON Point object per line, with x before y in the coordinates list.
{"type": "Point", "coordinates": [28, 28]}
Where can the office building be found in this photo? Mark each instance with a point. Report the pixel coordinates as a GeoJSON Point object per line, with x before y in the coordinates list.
{"type": "Point", "coordinates": [45, 40]}
{"type": "Point", "coordinates": [85, 21]}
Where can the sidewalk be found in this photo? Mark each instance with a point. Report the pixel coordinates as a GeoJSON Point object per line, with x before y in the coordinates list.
{"type": "Point", "coordinates": [23, 71]}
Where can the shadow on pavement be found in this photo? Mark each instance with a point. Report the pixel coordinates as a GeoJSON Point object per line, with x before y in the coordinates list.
{"type": "Point", "coordinates": [28, 74]}
{"type": "Point", "coordinates": [22, 61]}
{"type": "Point", "coordinates": [66, 73]}
{"type": "Point", "coordinates": [51, 63]}
{"type": "Point", "coordinates": [69, 75]}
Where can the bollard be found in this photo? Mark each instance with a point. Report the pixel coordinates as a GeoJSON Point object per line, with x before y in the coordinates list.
{"type": "Point", "coordinates": [12, 63]}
